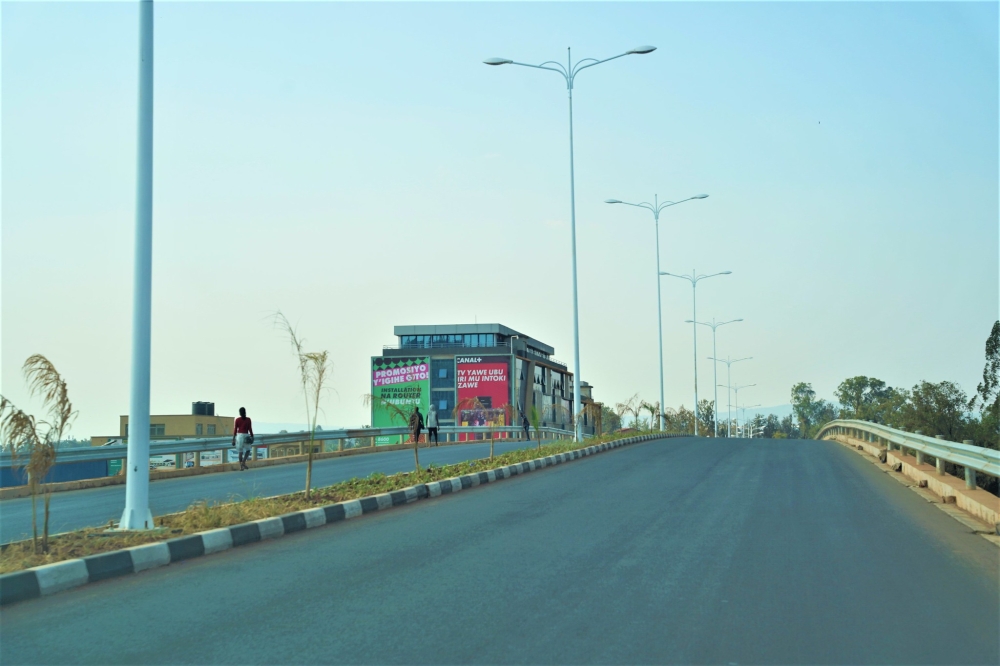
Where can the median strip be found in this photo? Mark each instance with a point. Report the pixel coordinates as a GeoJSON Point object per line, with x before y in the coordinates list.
{"type": "Point", "coordinates": [51, 578]}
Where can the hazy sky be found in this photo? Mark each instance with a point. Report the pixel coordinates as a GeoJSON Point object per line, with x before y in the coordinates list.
{"type": "Point", "coordinates": [358, 167]}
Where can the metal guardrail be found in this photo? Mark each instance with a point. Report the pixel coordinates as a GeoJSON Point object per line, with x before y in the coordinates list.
{"type": "Point", "coordinates": [978, 458]}
{"type": "Point", "coordinates": [206, 444]}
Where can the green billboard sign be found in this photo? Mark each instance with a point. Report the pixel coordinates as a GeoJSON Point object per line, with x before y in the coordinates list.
{"type": "Point", "coordinates": [402, 382]}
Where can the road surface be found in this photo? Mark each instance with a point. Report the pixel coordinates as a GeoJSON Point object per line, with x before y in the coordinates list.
{"type": "Point", "coordinates": [672, 551]}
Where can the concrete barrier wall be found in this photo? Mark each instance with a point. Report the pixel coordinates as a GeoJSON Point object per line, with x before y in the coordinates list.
{"type": "Point", "coordinates": [981, 504]}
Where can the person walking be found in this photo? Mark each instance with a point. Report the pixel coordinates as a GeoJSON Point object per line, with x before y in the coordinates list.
{"type": "Point", "coordinates": [243, 437]}
{"type": "Point", "coordinates": [416, 424]}
{"type": "Point", "coordinates": [525, 425]}
{"type": "Point", "coordinates": [432, 426]}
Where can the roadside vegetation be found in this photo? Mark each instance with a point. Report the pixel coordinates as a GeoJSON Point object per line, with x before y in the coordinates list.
{"type": "Point", "coordinates": [32, 442]}
{"type": "Point", "coordinates": [203, 516]}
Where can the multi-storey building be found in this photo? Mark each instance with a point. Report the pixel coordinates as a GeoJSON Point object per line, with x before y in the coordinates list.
{"type": "Point", "coordinates": [473, 374]}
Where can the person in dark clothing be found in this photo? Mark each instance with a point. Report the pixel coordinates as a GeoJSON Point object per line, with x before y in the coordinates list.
{"type": "Point", "coordinates": [525, 425]}
{"type": "Point", "coordinates": [416, 424]}
{"type": "Point", "coordinates": [243, 437]}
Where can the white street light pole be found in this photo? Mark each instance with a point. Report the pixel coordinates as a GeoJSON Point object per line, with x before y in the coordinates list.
{"type": "Point", "coordinates": [736, 392]}
{"type": "Point", "coordinates": [655, 208]}
{"type": "Point", "coordinates": [569, 73]}
{"type": "Point", "coordinates": [729, 407]}
{"type": "Point", "coordinates": [745, 423]}
{"type": "Point", "coordinates": [694, 278]}
{"type": "Point", "coordinates": [136, 515]}
{"type": "Point", "coordinates": [715, 374]}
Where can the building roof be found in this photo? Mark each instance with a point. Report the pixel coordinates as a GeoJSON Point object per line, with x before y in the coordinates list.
{"type": "Point", "coordinates": [461, 329]}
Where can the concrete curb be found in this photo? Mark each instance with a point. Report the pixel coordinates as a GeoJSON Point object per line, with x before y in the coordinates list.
{"type": "Point", "coordinates": [51, 578]}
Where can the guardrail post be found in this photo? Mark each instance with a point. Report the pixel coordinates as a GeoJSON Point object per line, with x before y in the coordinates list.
{"type": "Point", "coordinates": [940, 466]}
{"type": "Point", "coordinates": [253, 452]}
{"type": "Point", "coordinates": [197, 458]}
{"type": "Point", "coordinates": [970, 474]}
{"type": "Point", "coordinates": [223, 456]}
{"type": "Point", "coordinates": [920, 457]}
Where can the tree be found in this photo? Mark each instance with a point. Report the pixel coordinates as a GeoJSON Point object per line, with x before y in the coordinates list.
{"type": "Point", "coordinates": [23, 435]}
{"type": "Point", "coordinates": [811, 413]}
{"type": "Point", "coordinates": [654, 412]}
{"type": "Point", "coordinates": [987, 397]}
{"type": "Point", "coordinates": [313, 370]}
{"type": "Point", "coordinates": [706, 417]}
{"type": "Point", "coordinates": [771, 426]}
{"type": "Point", "coordinates": [610, 421]}
{"type": "Point", "coordinates": [937, 409]}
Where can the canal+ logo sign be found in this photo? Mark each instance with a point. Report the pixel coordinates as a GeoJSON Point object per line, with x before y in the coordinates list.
{"type": "Point", "coordinates": [468, 359]}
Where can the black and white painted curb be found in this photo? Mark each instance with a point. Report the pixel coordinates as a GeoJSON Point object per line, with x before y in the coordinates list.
{"type": "Point", "coordinates": [52, 578]}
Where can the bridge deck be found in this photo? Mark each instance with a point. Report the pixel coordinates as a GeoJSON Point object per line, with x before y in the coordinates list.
{"type": "Point", "coordinates": [681, 551]}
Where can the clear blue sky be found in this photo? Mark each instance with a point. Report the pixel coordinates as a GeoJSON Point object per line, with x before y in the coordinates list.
{"type": "Point", "coordinates": [356, 166]}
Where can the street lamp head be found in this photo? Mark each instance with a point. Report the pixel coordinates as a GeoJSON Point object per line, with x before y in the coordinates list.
{"type": "Point", "coordinates": [688, 321]}
{"type": "Point", "coordinates": [497, 61]}
{"type": "Point", "coordinates": [726, 273]}
{"type": "Point", "coordinates": [641, 50]}
{"type": "Point", "coordinates": [612, 201]}
{"type": "Point", "coordinates": [700, 196]}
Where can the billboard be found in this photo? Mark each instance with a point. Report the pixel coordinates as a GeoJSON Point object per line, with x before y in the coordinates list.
{"type": "Point", "coordinates": [483, 384]}
{"type": "Point", "coordinates": [400, 381]}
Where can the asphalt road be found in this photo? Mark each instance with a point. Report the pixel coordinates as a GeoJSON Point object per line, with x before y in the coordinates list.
{"type": "Point", "coordinates": [674, 551]}
{"type": "Point", "coordinates": [96, 506]}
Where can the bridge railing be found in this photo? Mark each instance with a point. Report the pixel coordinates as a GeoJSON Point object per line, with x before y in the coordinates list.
{"type": "Point", "coordinates": [975, 458]}
{"type": "Point", "coordinates": [161, 447]}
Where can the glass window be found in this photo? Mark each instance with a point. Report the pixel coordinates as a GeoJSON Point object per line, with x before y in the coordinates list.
{"type": "Point", "coordinates": [442, 373]}
{"type": "Point", "coordinates": [157, 430]}
{"type": "Point", "coordinates": [197, 430]}
{"type": "Point", "coordinates": [211, 428]}
{"type": "Point", "coordinates": [445, 403]}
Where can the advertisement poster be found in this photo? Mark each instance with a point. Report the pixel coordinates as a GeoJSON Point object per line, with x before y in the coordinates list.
{"type": "Point", "coordinates": [402, 382]}
{"type": "Point", "coordinates": [483, 391]}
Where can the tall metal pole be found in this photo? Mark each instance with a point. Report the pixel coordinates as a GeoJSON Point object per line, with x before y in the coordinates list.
{"type": "Point", "coordinates": [577, 397]}
{"type": "Point", "coordinates": [659, 308]}
{"type": "Point", "coordinates": [729, 401]}
{"type": "Point", "coordinates": [715, 384]}
{"type": "Point", "coordinates": [694, 331]}
{"type": "Point", "coordinates": [136, 515]}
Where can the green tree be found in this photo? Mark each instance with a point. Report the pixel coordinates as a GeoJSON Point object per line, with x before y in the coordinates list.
{"type": "Point", "coordinates": [610, 421]}
{"type": "Point", "coordinates": [937, 409]}
{"type": "Point", "coordinates": [706, 418]}
{"type": "Point", "coordinates": [864, 398]}
{"type": "Point", "coordinates": [811, 413]}
{"type": "Point", "coordinates": [987, 398]}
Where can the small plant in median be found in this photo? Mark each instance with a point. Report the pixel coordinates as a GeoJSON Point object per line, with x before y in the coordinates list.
{"type": "Point", "coordinates": [313, 370]}
{"type": "Point", "coordinates": [22, 434]}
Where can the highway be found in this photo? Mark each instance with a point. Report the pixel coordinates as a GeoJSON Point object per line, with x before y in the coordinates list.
{"type": "Point", "coordinates": [672, 551]}
{"type": "Point", "coordinates": [96, 506]}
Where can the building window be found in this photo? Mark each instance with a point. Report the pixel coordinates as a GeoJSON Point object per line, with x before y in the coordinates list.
{"type": "Point", "coordinates": [540, 378]}
{"type": "Point", "coordinates": [445, 403]}
{"type": "Point", "coordinates": [157, 429]}
{"type": "Point", "coordinates": [442, 373]}
{"type": "Point", "coordinates": [197, 430]}
{"type": "Point", "coordinates": [211, 428]}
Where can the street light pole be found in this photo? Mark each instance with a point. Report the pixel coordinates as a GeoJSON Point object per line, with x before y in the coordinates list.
{"type": "Point", "coordinates": [694, 278]}
{"type": "Point", "coordinates": [136, 515]}
{"type": "Point", "coordinates": [736, 392]}
{"type": "Point", "coordinates": [729, 408]}
{"type": "Point", "coordinates": [569, 73]}
{"type": "Point", "coordinates": [655, 208]}
{"type": "Point", "coordinates": [745, 408]}
{"type": "Point", "coordinates": [715, 375]}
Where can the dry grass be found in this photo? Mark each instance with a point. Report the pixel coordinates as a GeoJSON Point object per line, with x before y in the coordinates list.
{"type": "Point", "coordinates": [203, 516]}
